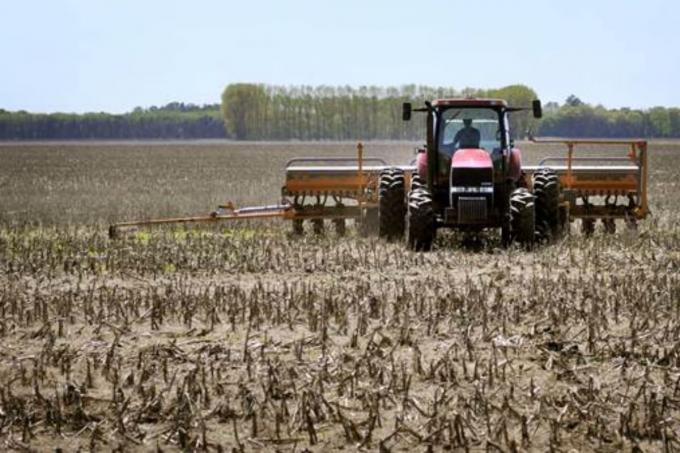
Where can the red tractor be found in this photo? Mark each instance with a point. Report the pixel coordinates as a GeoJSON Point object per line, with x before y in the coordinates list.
{"type": "Point", "coordinates": [469, 177]}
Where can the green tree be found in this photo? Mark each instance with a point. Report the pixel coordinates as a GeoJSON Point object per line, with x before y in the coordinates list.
{"type": "Point", "coordinates": [660, 122]}
{"type": "Point", "coordinates": [518, 96]}
{"type": "Point", "coordinates": [242, 107]}
{"type": "Point", "coordinates": [573, 101]}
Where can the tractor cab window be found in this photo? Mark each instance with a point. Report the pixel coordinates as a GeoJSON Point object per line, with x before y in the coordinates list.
{"type": "Point", "coordinates": [469, 128]}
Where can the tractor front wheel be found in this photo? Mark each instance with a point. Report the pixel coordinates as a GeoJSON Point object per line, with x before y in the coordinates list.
{"type": "Point", "coordinates": [522, 216]}
{"type": "Point", "coordinates": [417, 182]}
{"type": "Point", "coordinates": [420, 221]}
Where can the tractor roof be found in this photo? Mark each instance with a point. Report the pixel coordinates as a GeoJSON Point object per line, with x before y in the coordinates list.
{"type": "Point", "coordinates": [469, 102]}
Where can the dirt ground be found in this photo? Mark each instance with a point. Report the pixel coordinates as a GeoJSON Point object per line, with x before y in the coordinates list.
{"type": "Point", "coordinates": [244, 338]}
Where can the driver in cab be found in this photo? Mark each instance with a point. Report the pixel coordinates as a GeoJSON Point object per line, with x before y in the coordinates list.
{"type": "Point", "coordinates": [467, 137]}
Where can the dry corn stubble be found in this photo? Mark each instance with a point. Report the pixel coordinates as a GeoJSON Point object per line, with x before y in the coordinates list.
{"type": "Point", "coordinates": [242, 338]}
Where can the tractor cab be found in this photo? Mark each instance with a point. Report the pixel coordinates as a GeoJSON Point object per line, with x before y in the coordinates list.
{"type": "Point", "coordinates": [465, 124]}
{"type": "Point", "coordinates": [470, 128]}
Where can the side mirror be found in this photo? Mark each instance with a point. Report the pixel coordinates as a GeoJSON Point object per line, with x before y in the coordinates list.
{"type": "Point", "coordinates": [406, 111]}
{"type": "Point", "coordinates": [537, 108]}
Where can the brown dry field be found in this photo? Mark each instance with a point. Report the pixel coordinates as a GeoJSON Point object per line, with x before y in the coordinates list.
{"type": "Point", "coordinates": [241, 338]}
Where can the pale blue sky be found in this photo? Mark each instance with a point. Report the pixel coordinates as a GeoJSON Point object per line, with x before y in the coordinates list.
{"type": "Point", "coordinates": [112, 55]}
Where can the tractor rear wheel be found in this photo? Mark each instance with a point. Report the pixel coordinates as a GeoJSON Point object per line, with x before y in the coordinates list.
{"type": "Point", "coordinates": [420, 221]}
{"type": "Point", "coordinates": [547, 194]}
{"type": "Point", "coordinates": [522, 216]}
{"type": "Point", "coordinates": [391, 206]}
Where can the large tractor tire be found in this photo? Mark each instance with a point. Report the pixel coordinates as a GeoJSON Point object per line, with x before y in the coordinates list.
{"type": "Point", "coordinates": [417, 182]}
{"type": "Point", "coordinates": [391, 205]}
{"type": "Point", "coordinates": [549, 222]}
{"type": "Point", "coordinates": [522, 216]}
{"type": "Point", "coordinates": [420, 221]}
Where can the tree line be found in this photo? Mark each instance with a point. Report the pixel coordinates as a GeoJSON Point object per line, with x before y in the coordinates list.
{"type": "Point", "coordinates": [256, 112]}
{"type": "Point", "coordinates": [266, 112]}
{"type": "Point", "coordinates": [577, 119]}
{"type": "Point", "coordinates": [173, 121]}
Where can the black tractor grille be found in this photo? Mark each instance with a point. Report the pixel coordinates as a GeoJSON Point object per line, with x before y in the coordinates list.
{"type": "Point", "coordinates": [472, 209]}
{"type": "Point", "coordinates": [471, 176]}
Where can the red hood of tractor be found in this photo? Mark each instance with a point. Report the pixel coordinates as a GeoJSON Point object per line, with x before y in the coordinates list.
{"type": "Point", "coordinates": [471, 158]}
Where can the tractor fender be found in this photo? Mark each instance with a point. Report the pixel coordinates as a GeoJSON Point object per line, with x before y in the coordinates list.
{"type": "Point", "coordinates": [421, 164]}
{"type": "Point", "coordinates": [515, 165]}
